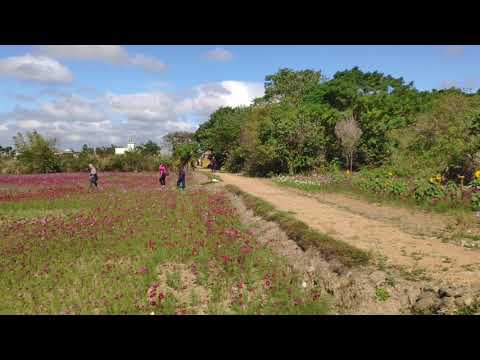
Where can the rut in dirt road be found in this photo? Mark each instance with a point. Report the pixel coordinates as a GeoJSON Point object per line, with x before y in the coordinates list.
{"type": "Point", "coordinates": [444, 262]}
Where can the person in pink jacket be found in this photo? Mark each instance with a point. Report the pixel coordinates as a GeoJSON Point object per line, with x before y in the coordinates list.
{"type": "Point", "coordinates": [163, 169]}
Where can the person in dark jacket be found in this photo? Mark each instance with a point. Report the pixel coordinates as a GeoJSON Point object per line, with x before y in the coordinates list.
{"type": "Point", "coordinates": [181, 178]}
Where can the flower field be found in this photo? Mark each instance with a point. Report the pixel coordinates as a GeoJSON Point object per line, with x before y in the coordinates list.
{"type": "Point", "coordinates": [131, 247]}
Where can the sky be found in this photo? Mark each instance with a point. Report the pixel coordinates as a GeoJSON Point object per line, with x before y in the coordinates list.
{"type": "Point", "coordinates": [104, 94]}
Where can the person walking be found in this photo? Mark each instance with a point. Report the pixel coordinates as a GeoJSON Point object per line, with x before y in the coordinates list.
{"type": "Point", "coordinates": [93, 175]}
{"type": "Point", "coordinates": [181, 178]}
{"type": "Point", "coordinates": [163, 169]}
{"type": "Point", "coordinates": [213, 164]}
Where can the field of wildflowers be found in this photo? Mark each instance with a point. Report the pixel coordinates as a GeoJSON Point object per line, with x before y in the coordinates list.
{"type": "Point", "coordinates": [131, 247]}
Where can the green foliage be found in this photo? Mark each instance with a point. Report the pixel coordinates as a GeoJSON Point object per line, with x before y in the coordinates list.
{"type": "Point", "coordinates": [186, 154]}
{"type": "Point", "coordinates": [290, 86]}
{"type": "Point", "coordinates": [382, 182]}
{"type": "Point", "coordinates": [427, 190]}
{"type": "Point", "coordinates": [36, 154]}
{"type": "Point", "coordinates": [476, 202]}
{"type": "Point", "coordinates": [150, 148]}
{"type": "Point", "coordinates": [381, 294]}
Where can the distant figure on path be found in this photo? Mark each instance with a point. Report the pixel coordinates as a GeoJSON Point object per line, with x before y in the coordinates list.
{"type": "Point", "coordinates": [93, 175]}
{"type": "Point", "coordinates": [163, 169]}
{"type": "Point", "coordinates": [213, 164]}
{"type": "Point", "coordinates": [181, 178]}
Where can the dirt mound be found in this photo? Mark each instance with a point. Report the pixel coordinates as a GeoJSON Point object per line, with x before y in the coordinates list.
{"type": "Point", "coordinates": [179, 281]}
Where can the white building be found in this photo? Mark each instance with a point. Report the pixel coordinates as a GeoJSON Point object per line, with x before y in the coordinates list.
{"type": "Point", "coordinates": [130, 147]}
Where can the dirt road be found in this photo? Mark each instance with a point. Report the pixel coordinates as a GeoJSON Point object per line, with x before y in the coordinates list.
{"type": "Point", "coordinates": [398, 235]}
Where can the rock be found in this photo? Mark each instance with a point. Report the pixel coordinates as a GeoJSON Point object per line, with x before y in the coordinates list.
{"type": "Point", "coordinates": [427, 303]}
{"type": "Point", "coordinates": [450, 292]}
{"type": "Point", "coordinates": [444, 292]}
{"type": "Point", "coordinates": [459, 302]}
{"type": "Point", "coordinates": [412, 296]}
{"type": "Point", "coordinates": [433, 289]}
{"type": "Point", "coordinates": [468, 300]}
{"type": "Point", "coordinates": [378, 277]}
{"type": "Point", "coordinates": [448, 304]}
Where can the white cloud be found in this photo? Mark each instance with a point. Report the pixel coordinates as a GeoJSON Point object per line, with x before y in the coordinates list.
{"type": "Point", "coordinates": [31, 124]}
{"type": "Point", "coordinates": [75, 120]}
{"type": "Point", "coordinates": [73, 108]}
{"type": "Point", "coordinates": [35, 68]}
{"type": "Point", "coordinates": [113, 54]}
{"type": "Point", "coordinates": [147, 63]}
{"type": "Point", "coordinates": [147, 106]}
{"type": "Point", "coordinates": [209, 97]}
{"type": "Point", "coordinates": [109, 53]}
{"type": "Point", "coordinates": [218, 54]}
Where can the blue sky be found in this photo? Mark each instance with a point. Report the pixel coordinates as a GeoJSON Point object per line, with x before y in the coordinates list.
{"type": "Point", "coordinates": [103, 94]}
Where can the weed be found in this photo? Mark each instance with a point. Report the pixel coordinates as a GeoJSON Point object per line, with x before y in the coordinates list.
{"type": "Point", "coordinates": [381, 294]}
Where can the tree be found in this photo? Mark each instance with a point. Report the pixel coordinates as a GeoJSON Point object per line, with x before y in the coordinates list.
{"type": "Point", "coordinates": [443, 139]}
{"type": "Point", "coordinates": [221, 133]}
{"type": "Point", "coordinates": [105, 150]}
{"type": "Point", "coordinates": [296, 136]}
{"type": "Point", "coordinates": [349, 133]}
{"type": "Point", "coordinates": [186, 153]}
{"type": "Point", "coordinates": [87, 150]}
{"type": "Point", "coordinates": [36, 153]}
{"type": "Point", "coordinates": [289, 85]}
{"type": "Point", "coordinates": [6, 151]}
{"type": "Point", "coordinates": [150, 148]}
{"type": "Point", "coordinates": [173, 139]}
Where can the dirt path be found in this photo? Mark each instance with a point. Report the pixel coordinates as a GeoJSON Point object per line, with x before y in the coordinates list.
{"type": "Point", "coordinates": [444, 262]}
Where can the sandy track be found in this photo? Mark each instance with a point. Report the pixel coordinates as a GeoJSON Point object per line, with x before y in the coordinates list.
{"type": "Point", "coordinates": [447, 263]}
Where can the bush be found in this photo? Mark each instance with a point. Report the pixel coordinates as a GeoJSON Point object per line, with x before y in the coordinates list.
{"type": "Point", "coordinates": [428, 190]}
{"type": "Point", "coordinates": [382, 182]}
{"type": "Point", "coordinates": [37, 154]}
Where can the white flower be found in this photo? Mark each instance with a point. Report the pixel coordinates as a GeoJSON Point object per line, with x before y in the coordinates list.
{"type": "Point", "coordinates": [152, 313]}
{"type": "Point", "coordinates": [304, 284]}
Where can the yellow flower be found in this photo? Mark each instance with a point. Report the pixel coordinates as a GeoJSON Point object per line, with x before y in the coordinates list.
{"type": "Point", "coordinates": [390, 174]}
{"type": "Point", "coordinates": [477, 174]}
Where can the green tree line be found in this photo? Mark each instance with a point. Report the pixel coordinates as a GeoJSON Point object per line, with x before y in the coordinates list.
{"type": "Point", "coordinates": [294, 127]}
{"type": "Point", "coordinates": [34, 153]}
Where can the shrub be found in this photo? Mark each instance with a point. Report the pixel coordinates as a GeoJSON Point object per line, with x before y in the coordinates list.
{"type": "Point", "coordinates": [427, 190]}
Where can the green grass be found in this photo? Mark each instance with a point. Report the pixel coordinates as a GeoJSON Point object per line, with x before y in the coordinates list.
{"type": "Point", "coordinates": [302, 234]}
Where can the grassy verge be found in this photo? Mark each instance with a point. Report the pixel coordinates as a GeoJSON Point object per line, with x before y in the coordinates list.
{"type": "Point", "coordinates": [301, 233]}
{"type": "Point", "coordinates": [457, 209]}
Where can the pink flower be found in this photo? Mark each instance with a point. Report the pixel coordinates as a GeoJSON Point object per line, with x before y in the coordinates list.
{"type": "Point", "coordinates": [142, 270]}
{"type": "Point", "coordinates": [246, 250]}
